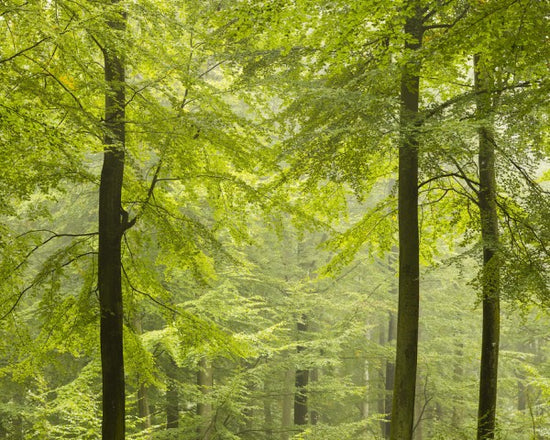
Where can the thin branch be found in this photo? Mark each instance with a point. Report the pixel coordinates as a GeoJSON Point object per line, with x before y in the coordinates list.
{"type": "Point", "coordinates": [39, 278]}
{"type": "Point", "coordinates": [428, 113]}
{"type": "Point", "coordinates": [148, 295]}
{"type": "Point", "coordinates": [441, 177]}
{"type": "Point", "coordinates": [469, 182]}
{"type": "Point", "coordinates": [207, 71]}
{"type": "Point", "coordinates": [54, 235]}
{"type": "Point", "coordinates": [518, 167]}
{"type": "Point", "coordinates": [22, 51]}
{"type": "Point", "coordinates": [58, 81]}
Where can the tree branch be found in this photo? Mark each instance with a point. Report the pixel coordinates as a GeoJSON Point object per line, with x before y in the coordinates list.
{"type": "Point", "coordinates": [22, 51]}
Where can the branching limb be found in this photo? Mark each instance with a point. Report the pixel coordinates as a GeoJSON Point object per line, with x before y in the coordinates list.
{"type": "Point", "coordinates": [40, 277]}
{"type": "Point", "coordinates": [148, 295]}
{"type": "Point", "coordinates": [22, 51]}
{"type": "Point", "coordinates": [54, 235]}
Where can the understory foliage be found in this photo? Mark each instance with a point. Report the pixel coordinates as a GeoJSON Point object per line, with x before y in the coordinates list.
{"type": "Point", "coordinates": [261, 187]}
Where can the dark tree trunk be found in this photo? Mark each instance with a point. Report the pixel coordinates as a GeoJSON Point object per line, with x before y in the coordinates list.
{"type": "Point", "coordinates": [408, 306]}
{"type": "Point", "coordinates": [302, 379]}
{"type": "Point", "coordinates": [111, 229]}
{"type": "Point", "coordinates": [490, 274]}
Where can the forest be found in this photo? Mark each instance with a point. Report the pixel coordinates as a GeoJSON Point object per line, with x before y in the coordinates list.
{"type": "Point", "coordinates": [275, 219]}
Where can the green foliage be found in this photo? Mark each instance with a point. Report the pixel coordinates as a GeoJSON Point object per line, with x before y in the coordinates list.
{"type": "Point", "coordinates": [260, 168]}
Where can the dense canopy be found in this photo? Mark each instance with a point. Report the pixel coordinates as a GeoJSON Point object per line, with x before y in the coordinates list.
{"type": "Point", "coordinates": [275, 219]}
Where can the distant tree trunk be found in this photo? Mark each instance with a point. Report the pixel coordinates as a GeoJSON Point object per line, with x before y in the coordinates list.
{"type": "Point", "coordinates": [408, 306]}
{"type": "Point", "coordinates": [380, 405]}
{"type": "Point", "coordinates": [390, 376]}
{"type": "Point", "coordinates": [17, 421]}
{"type": "Point", "coordinates": [286, 404]}
{"type": "Point", "coordinates": [522, 394]}
{"type": "Point", "coordinates": [172, 397]}
{"type": "Point", "coordinates": [111, 228]}
{"type": "Point", "coordinates": [302, 380]}
{"type": "Point", "coordinates": [142, 399]}
{"type": "Point", "coordinates": [490, 271]}
{"type": "Point", "coordinates": [313, 378]}
{"type": "Point", "coordinates": [143, 407]}
{"type": "Point", "coordinates": [205, 381]}
{"type": "Point", "coordinates": [458, 375]}
{"type": "Point", "coordinates": [268, 413]}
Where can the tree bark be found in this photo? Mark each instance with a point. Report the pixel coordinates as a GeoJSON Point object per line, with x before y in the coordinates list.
{"type": "Point", "coordinates": [408, 305]}
{"type": "Point", "coordinates": [111, 229]}
{"type": "Point", "coordinates": [490, 272]}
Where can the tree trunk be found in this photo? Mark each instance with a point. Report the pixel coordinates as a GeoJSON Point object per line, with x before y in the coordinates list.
{"type": "Point", "coordinates": [389, 382]}
{"type": "Point", "coordinates": [408, 306]}
{"type": "Point", "coordinates": [302, 379]}
{"type": "Point", "coordinates": [144, 414]}
{"type": "Point", "coordinates": [111, 229]}
{"type": "Point", "coordinates": [286, 410]}
{"type": "Point", "coordinates": [172, 396]}
{"type": "Point", "coordinates": [313, 378]}
{"type": "Point", "coordinates": [205, 381]}
{"type": "Point", "coordinates": [490, 271]}
{"type": "Point", "coordinates": [143, 408]}
{"type": "Point", "coordinates": [268, 413]}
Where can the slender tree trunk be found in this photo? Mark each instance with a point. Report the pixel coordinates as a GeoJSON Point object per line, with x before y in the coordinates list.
{"type": "Point", "coordinates": [172, 396]}
{"type": "Point", "coordinates": [458, 375]}
{"type": "Point", "coordinates": [490, 275]}
{"type": "Point", "coordinates": [205, 381]}
{"type": "Point", "coordinates": [17, 422]}
{"type": "Point", "coordinates": [143, 407]}
{"type": "Point", "coordinates": [380, 404]}
{"type": "Point", "coordinates": [389, 382]}
{"type": "Point", "coordinates": [286, 404]}
{"type": "Point", "coordinates": [302, 379]}
{"type": "Point", "coordinates": [313, 378]}
{"type": "Point", "coordinates": [408, 306]}
{"type": "Point", "coordinates": [268, 413]}
{"type": "Point", "coordinates": [144, 414]}
{"type": "Point", "coordinates": [111, 229]}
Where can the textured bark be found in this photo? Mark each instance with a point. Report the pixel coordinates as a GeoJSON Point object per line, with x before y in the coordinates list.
{"type": "Point", "coordinates": [302, 380]}
{"type": "Point", "coordinates": [407, 321]}
{"type": "Point", "coordinates": [205, 381]}
{"type": "Point", "coordinates": [490, 274]}
{"type": "Point", "coordinates": [110, 233]}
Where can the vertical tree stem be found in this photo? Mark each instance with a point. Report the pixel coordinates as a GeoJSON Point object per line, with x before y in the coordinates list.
{"type": "Point", "coordinates": [110, 234]}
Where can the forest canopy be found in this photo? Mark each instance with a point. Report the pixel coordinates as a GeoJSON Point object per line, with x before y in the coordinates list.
{"type": "Point", "coordinates": [274, 219]}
